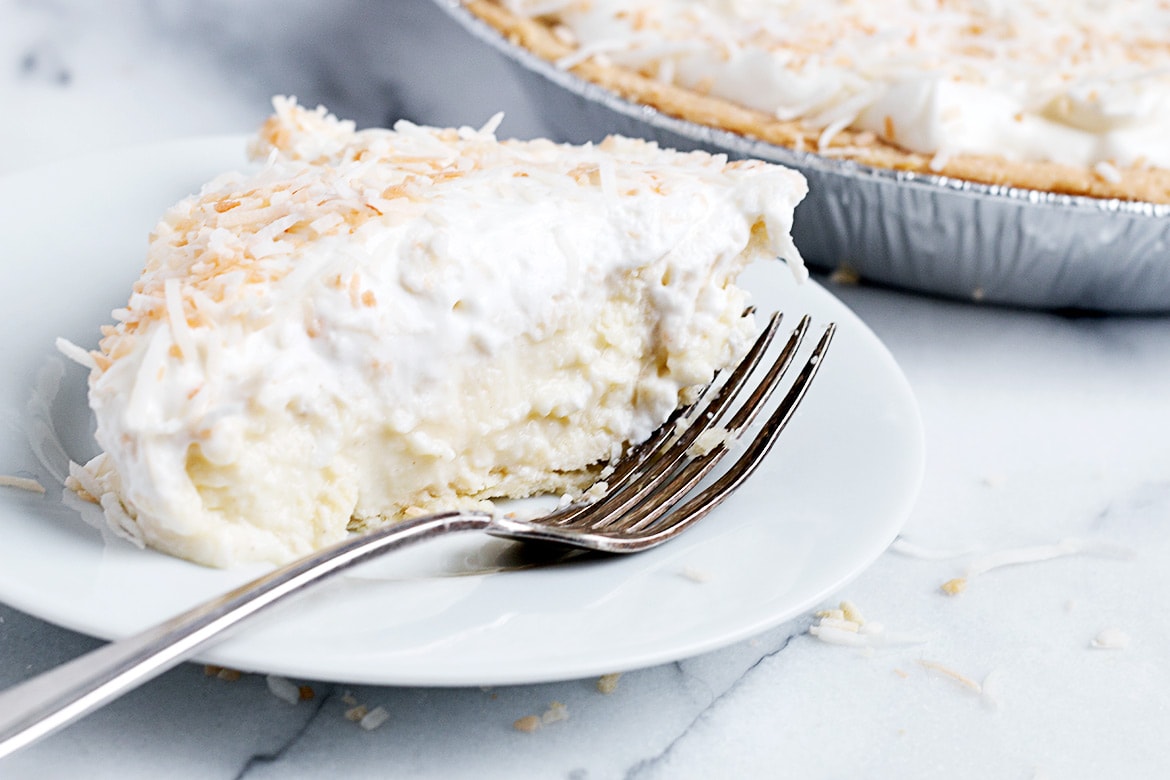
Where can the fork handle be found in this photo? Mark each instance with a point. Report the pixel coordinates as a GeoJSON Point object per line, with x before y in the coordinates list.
{"type": "Point", "coordinates": [37, 707]}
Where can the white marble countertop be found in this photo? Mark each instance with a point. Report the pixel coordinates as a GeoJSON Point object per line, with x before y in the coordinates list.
{"type": "Point", "coordinates": [1040, 428]}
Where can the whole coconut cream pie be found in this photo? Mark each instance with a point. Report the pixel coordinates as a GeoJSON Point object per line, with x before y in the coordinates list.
{"type": "Point", "coordinates": [1068, 96]}
{"type": "Point", "coordinates": [380, 323]}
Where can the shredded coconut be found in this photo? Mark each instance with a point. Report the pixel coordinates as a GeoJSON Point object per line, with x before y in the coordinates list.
{"type": "Point", "coordinates": [1110, 639]}
{"type": "Point", "coordinates": [1020, 555]}
{"type": "Point", "coordinates": [911, 550]}
{"type": "Point", "coordinates": [81, 357]}
{"type": "Point", "coordinates": [374, 718]}
{"type": "Point", "coordinates": [990, 690]}
{"type": "Point", "coordinates": [945, 671]}
{"type": "Point", "coordinates": [846, 626]}
{"type": "Point", "coordinates": [283, 689]}
{"type": "Point", "coordinates": [21, 483]}
{"type": "Point", "coordinates": [529, 723]}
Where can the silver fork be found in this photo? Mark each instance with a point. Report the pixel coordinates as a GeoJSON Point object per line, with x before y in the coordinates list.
{"type": "Point", "coordinates": [645, 503]}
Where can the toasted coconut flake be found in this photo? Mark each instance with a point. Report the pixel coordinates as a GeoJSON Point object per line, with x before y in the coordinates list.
{"type": "Point", "coordinates": [945, 671]}
{"type": "Point", "coordinates": [608, 683]}
{"type": "Point", "coordinates": [954, 586]}
{"type": "Point", "coordinates": [846, 626]}
{"type": "Point", "coordinates": [21, 483]}
{"type": "Point", "coordinates": [528, 724]}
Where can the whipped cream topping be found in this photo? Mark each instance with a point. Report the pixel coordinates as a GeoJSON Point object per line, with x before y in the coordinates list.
{"type": "Point", "coordinates": [383, 321]}
{"type": "Point", "coordinates": [1079, 82]}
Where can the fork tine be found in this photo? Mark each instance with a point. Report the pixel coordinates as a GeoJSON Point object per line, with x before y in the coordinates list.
{"type": "Point", "coordinates": [629, 484]}
{"type": "Point", "coordinates": [696, 508]}
{"type": "Point", "coordinates": [682, 481]}
{"type": "Point", "coordinates": [656, 518]}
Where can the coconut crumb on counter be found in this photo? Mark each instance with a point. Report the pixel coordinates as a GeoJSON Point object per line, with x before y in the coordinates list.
{"type": "Point", "coordinates": [954, 586]}
{"type": "Point", "coordinates": [1110, 639]}
{"type": "Point", "coordinates": [222, 673]}
{"type": "Point", "coordinates": [22, 483]}
{"type": "Point", "coordinates": [846, 626]}
{"type": "Point", "coordinates": [361, 714]}
{"type": "Point", "coordinates": [608, 683]}
{"type": "Point", "coordinates": [850, 612]}
{"type": "Point", "coordinates": [988, 690]}
{"type": "Point", "coordinates": [283, 689]}
{"type": "Point", "coordinates": [528, 724]}
{"type": "Point", "coordinates": [374, 718]}
{"type": "Point", "coordinates": [845, 275]}
{"type": "Point", "coordinates": [946, 671]}
{"type": "Point", "coordinates": [556, 712]}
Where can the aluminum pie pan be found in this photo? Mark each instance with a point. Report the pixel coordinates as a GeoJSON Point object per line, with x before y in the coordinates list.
{"type": "Point", "coordinates": [920, 232]}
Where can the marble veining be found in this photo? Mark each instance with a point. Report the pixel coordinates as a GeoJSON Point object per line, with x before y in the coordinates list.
{"type": "Point", "coordinates": [1040, 428]}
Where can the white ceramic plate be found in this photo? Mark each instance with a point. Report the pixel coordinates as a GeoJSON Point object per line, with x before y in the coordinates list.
{"type": "Point", "coordinates": [827, 502]}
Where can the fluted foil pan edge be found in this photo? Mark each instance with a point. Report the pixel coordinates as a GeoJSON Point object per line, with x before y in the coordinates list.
{"type": "Point", "coordinates": [916, 231]}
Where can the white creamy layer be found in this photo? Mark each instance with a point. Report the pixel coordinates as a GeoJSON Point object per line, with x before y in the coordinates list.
{"type": "Point", "coordinates": [380, 323]}
{"type": "Point", "coordinates": [1076, 81]}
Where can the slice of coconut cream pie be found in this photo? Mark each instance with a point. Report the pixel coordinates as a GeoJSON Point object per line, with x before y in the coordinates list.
{"type": "Point", "coordinates": [382, 323]}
